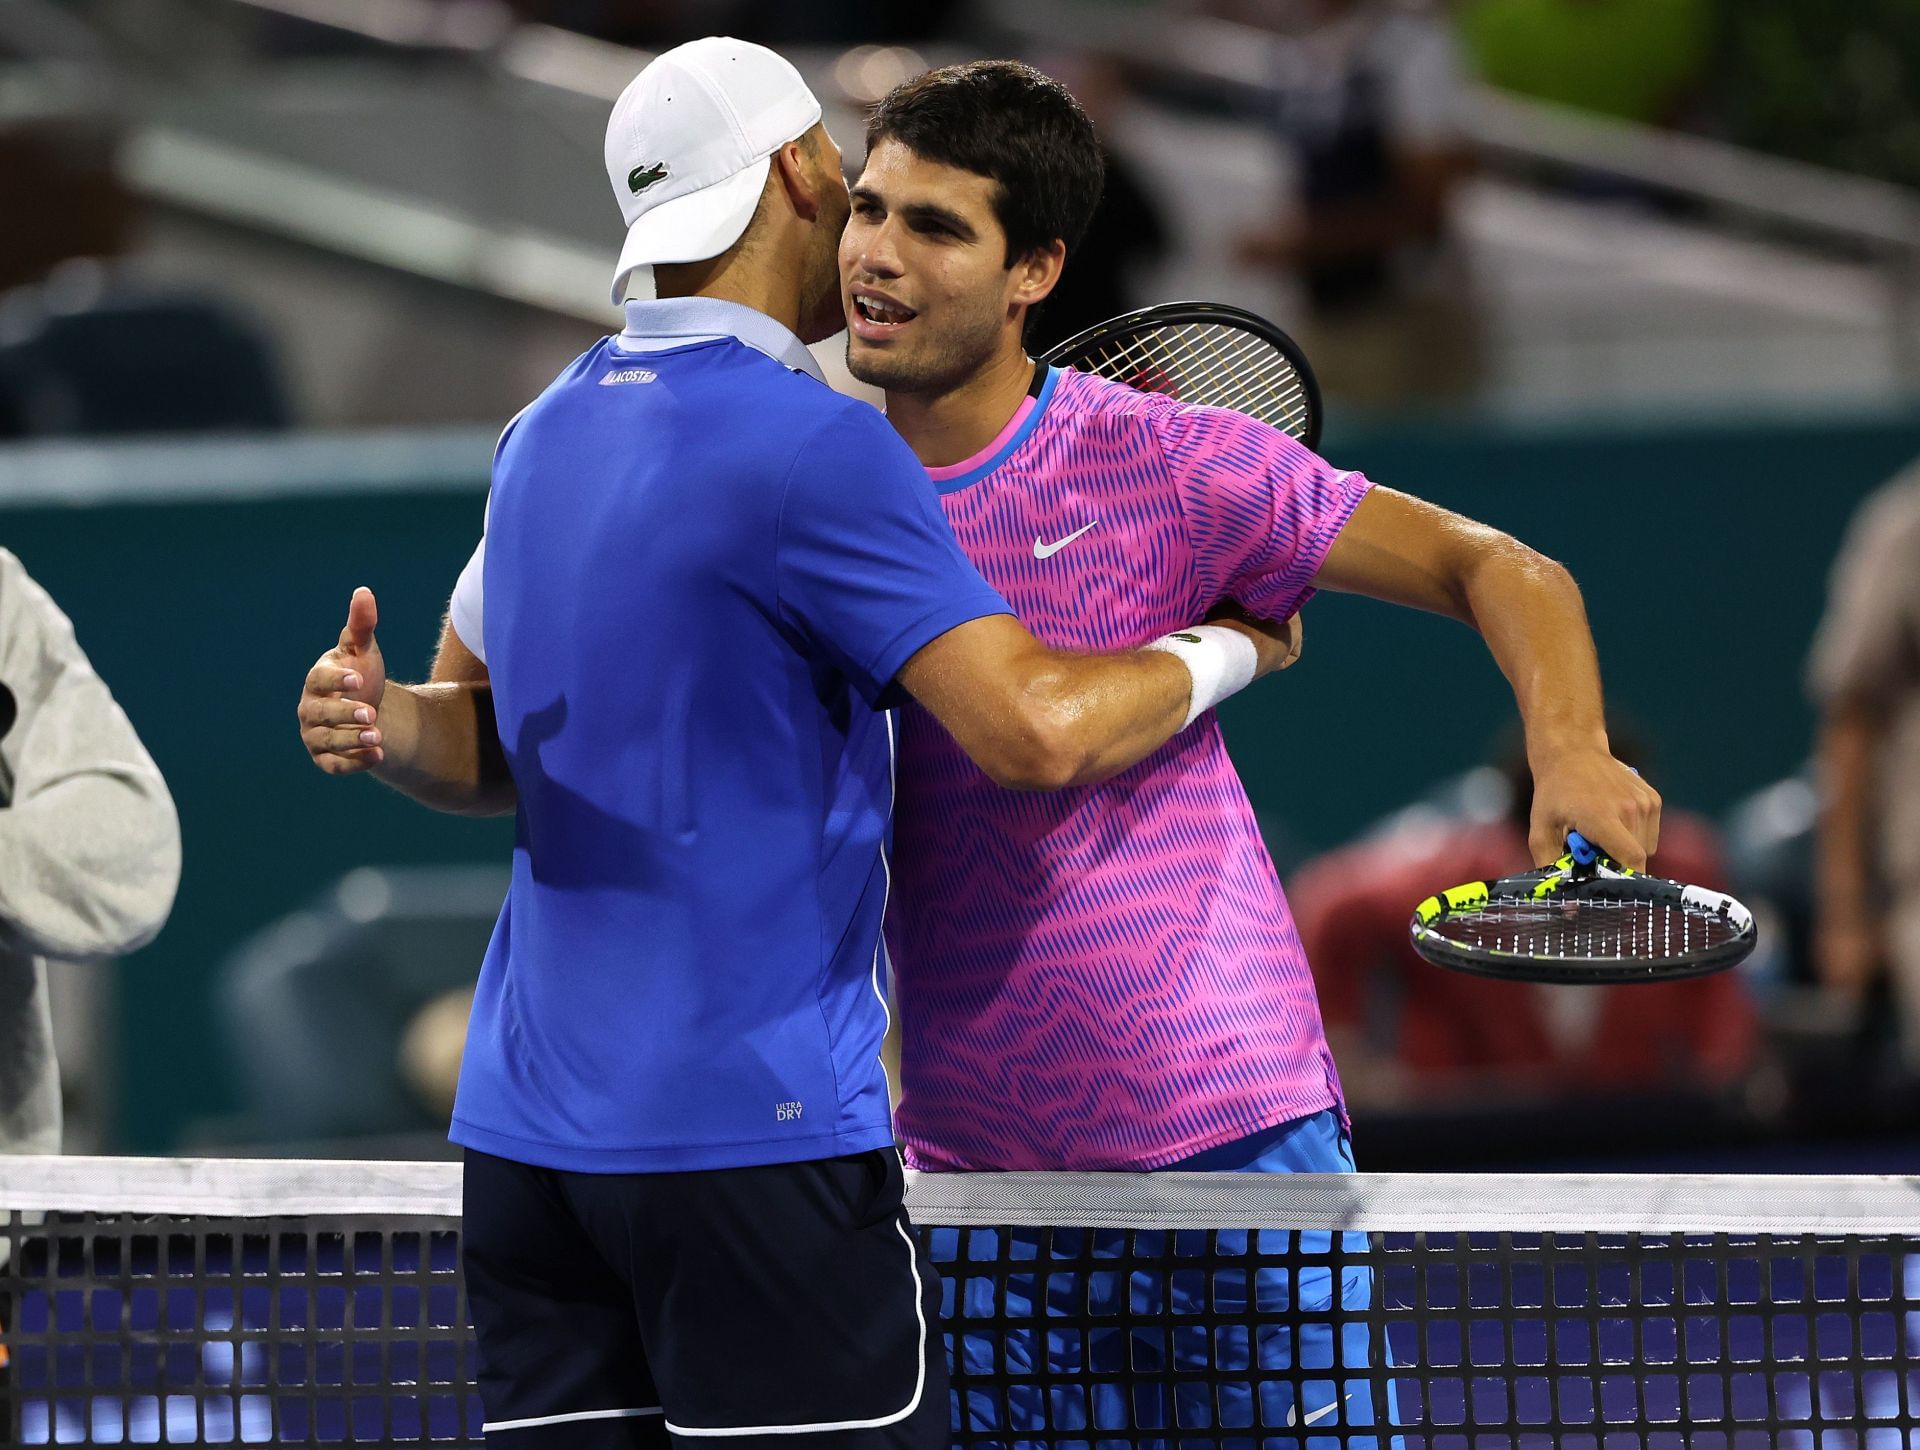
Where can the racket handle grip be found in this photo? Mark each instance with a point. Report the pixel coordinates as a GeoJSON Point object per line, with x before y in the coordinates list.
{"type": "Point", "coordinates": [1583, 851]}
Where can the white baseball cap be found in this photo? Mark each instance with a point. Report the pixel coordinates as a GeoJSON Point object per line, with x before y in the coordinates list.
{"type": "Point", "coordinates": [689, 144]}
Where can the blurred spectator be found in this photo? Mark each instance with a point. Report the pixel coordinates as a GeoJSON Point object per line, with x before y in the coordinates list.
{"type": "Point", "coordinates": [89, 848]}
{"type": "Point", "coordinates": [89, 842]}
{"type": "Point", "coordinates": [1128, 231]}
{"type": "Point", "coordinates": [1636, 59]}
{"type": "Point", "coordinates": [1371, 101]}
{"type": "Point", "coordinates": [1865, 674]}
{"type": "Point", "coordinates": [1404, 1031]}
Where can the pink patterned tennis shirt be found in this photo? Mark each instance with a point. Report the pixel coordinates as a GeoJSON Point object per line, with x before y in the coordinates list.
{"type": "Point", "coordinates": [1108, 977]}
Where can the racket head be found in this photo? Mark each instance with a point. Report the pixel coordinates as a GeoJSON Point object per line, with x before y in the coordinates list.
{"type": "Point", "coordinates": [1559, 924]}
{"type": "Point", "coordinates": [1206, 353]}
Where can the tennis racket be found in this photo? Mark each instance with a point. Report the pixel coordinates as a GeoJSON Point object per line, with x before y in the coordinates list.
{"type": "Point", "coordinates": [1583, 919]}
{"type": "Point", "coordinates": [1207, 353]}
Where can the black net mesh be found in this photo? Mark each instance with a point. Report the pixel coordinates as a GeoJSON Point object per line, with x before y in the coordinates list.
{"type": "Point", "coordinates": [351, 1329]}
{"type": "Point", "coordinates": [1193, 1337]}
{"type": "Point", "coordinates": [192, 1330]}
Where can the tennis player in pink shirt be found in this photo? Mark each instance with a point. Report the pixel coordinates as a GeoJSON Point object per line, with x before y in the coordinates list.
{"type": "Point", "coordinates": [1108, 977]}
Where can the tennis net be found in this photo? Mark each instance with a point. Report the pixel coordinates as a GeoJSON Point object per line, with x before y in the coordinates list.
{"type": "Point", "coordinates": [182, 1301]}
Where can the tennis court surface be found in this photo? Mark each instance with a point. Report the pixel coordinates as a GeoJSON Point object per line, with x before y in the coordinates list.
{"type": "Point", "coordinates": [258, 1302]}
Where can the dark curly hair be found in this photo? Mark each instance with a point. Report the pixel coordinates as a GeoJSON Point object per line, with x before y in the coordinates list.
{"type": "Point", "coordinates": [1006, 121]}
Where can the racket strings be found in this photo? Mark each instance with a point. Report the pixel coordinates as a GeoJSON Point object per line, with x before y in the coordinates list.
{"type": "Point", "coordinates": [1590, 929]}
{"type": "Point", "coordinates": [1225, 367]}
{"type": "Point", "coordinates": [1242, 371]}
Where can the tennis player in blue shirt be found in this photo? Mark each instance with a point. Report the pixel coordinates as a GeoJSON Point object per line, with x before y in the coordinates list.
{"type": "Point", "coordinates": [703, 576]}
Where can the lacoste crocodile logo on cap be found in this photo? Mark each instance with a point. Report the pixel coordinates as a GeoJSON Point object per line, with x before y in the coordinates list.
{"type": "Point", "coordinates": [641, 177]}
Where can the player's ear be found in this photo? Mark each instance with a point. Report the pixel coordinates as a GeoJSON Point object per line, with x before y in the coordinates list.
{"type": "Point", "coordinates": [1036, 274]}
{"type": "Point", "coordinates": [802, 188]}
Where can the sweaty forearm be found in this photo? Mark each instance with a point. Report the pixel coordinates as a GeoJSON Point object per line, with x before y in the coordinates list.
{"type": "Point", "coordinates": [1103, 713]}
{"type": "Point", "coordinates": [1528, 609]}
{"type": "Point", "coordinates": [441, 748]}
{"type": "Point", "coordinates": [1034, 718]}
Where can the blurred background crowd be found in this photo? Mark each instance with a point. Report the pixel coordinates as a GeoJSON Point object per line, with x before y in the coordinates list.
{"type": "Point", "coordinates": [1637, 280]}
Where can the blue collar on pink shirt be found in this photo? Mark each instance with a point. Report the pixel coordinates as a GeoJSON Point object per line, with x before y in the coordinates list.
{"type": "Point", "coordinates": [956, 476]}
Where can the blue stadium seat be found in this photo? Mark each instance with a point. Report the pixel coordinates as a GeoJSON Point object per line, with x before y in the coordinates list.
{"type": "Point", "coordinates": [133, 365]}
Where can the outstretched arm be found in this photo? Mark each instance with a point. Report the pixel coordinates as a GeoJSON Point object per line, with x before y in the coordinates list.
{"type": "Point", "coordinates": [1528, 609]}
{"type": "Point", "coordinates": [436, 742]}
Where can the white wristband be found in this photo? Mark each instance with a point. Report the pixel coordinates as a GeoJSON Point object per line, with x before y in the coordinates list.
{"type": "Point", "coordinates": [1222, 662]}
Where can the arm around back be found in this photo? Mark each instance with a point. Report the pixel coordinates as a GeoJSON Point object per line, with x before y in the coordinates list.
{"type": "Point", "coordinates": [871, 578]}
{"type": "Point", "coordinates": [1035, 718]}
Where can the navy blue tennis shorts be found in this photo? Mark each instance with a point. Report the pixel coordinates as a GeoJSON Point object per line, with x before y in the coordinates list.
{"type": "Point", "coordinates": [742, 1309]}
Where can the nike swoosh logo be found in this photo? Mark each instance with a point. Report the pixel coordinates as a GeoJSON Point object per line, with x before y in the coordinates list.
{"type": "Point", "coordinates": [1047, 551]}
{"type": "Point", "coordinates": [1319, 1414]}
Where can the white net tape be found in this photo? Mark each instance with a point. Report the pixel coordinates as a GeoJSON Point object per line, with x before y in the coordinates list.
{"type": "Point", "coordinates": [1370, 1202]}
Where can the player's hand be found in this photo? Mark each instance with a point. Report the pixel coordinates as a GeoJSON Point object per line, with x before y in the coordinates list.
{"type": "Point", "coordinates": [1278, 641]}
{"type": "Point", "coordinates": [340, 704]}
{"type": "Point", "coordinates": [1588, 791]}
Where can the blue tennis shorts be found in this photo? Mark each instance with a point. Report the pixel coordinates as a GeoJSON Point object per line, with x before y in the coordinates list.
{"type": "Point", "coordinates": [1263, 1303]}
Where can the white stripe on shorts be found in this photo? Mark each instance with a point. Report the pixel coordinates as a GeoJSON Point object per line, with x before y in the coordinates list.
{"type": "Point", "coordinates": [919, 1383]}
{"type": "Point", "coordinates": [492, 1426]}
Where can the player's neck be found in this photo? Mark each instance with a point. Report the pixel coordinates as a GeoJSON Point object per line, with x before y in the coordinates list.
{"type": "Point", "coordinates": [945, 428]}
{"type": "Point", "coordinates": [734, 280]}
